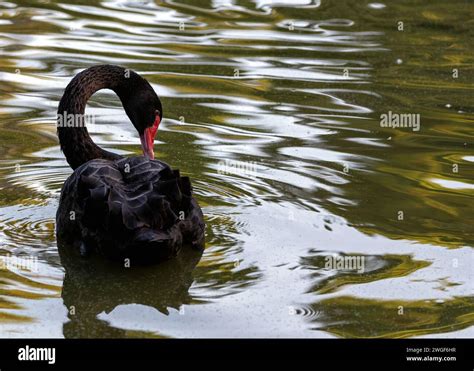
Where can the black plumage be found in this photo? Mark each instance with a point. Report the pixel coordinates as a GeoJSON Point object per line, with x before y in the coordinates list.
{"type": "Point", "coordinates": [122, 207]}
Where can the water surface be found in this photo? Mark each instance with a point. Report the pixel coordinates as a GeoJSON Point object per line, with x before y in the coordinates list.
{"type": "Point", "coordinates": [273, 109]}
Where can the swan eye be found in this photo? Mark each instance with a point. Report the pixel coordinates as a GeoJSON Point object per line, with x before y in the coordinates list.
{"type": "Point", "coordinates": [157, 113]}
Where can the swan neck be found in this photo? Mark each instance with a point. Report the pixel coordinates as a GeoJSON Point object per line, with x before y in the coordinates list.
{"type": "Point", "coordinates": [74, 138]}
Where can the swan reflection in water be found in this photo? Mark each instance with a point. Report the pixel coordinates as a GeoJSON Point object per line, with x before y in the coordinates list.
{"type": "Point", "coordinates": [93, 286]}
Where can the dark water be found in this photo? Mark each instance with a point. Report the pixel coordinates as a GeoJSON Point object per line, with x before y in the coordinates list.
{"type": "Point", "coordinates": [274, 109]}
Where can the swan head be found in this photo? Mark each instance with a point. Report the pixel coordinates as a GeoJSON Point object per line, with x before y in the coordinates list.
{"type": "Point", "coordinates": [147, 138]}
{"type": "Point", "coordinates": [144, 109]}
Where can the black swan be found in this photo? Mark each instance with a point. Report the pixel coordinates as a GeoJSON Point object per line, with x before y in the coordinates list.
{"type": "Point", "coordinates": [133, 208]}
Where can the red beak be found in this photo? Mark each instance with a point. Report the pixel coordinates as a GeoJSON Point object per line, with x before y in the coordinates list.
{"type": "Point", "coordinates": [148, 138]}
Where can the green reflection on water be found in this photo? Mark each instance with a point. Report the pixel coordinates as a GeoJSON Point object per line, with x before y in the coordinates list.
{"type": "Point", "coordinates": [394, 319]}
